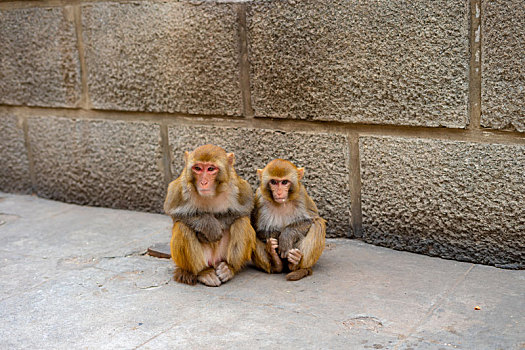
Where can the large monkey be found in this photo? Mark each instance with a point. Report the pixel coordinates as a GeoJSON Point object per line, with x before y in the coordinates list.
{"type": "Point", "coordinates": [210, 204]}
{"type": "Point", "coordinates": [286, 219]}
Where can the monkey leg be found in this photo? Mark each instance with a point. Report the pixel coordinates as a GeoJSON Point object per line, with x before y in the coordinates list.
{"type": "Point", "coordinates": [241, 244]}
{"type": "Point", "coordinates": [187, 253]}
{"type": "Point", "coordinates": [223, 272]}
{"type": "Point", "coordinates": [265, 256]}
{"type": "Point", "coordinates": [309, 251]}
{"type": "Point", "coordinates": [271, 248]}
{"type": "Point", "coordinates": [312, 245]}
{"type": "Point", "coordinates": [260, 257]}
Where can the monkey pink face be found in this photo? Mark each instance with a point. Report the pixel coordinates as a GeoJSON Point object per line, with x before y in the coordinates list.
{"type": "Point", "coordinates": [280, 188]}
{"type": "Point", "coordinates": [205, 174]}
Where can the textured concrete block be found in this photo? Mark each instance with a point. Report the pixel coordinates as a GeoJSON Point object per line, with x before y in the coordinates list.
{"type": "Point", "coordinates": [503, 62]}
{"type": "Point", "coordinates": [170, 57]}
{"type": "Point", "coordinates": [325, 158]}
{"type": "Point", "coordinates": [114, 164]}
{"type": "Point", "coordinates": [14, 169]}
{"type": "Point", "coordinates": [386, 62]}
{"type": "Point", "coordinates": [39, 62]}
{"type": "Point", "coordinates": [455, 200]}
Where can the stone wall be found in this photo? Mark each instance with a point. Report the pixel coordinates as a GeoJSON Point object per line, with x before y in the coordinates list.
{"type": "Point", "coordinates": [409, 116]}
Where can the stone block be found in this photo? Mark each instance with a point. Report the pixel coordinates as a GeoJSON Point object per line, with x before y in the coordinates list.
{"type": "Point", "coordinates": [379, 62]}
{"type": "Point", "coordinates": [503, 62]}
{"type": "Point", "coordinates": [456, 200]}
{"type": "Point", "coordinates": [115, 164]}
{"type": "Point", "coordinates": [163, 57]}
{"type": "Point", "coordinates": [39, 62]}
{"type": "Point", "coordinates": [14, 171]}
{"type": "Point", "coordinates": [325, 158]}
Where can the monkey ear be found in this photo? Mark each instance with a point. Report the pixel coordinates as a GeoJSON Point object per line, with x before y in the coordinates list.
{"type": "Point", "coordinates": [231, 158]}
{"type": "Point", "coordinates": [259, 173]}
{"type": "Point", "coordinates": [300, 173]}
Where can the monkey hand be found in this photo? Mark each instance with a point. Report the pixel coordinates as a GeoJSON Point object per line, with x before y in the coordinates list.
{"type": "Point", "coordinates": [294, 257]}
{"type": "Point", "coordinates": [271, 249]}
{"type": "Point", "coordinates": [272, 244]}
{"type": "Point", "coordinates": [288, 238]}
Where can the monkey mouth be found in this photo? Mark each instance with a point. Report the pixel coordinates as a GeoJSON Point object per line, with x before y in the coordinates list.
{"type": "Point", "coordinates": [206, 193]}
{"type": "Point", "coordinates": [280, 200]}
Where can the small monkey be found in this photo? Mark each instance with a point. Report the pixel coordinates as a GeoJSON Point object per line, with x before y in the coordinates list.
{"type": "Point", "coordinates": [286, 218]}
{"type": "Point", "coordinates": [212, 237]}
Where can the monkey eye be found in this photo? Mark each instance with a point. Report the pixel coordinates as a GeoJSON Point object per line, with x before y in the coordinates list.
{"type": "Point", "coordinates": [273, 182]}
{"type": "Point", "coordinates": [284, 182]}
{"type": "Point", "coordinates": [197, 168]}
{"type": "Point", "coordinates": [211, 169]}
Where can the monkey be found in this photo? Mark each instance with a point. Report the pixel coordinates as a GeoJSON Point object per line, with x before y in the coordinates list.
{"type": "Point", "coordinates": [212, 236]}
{"type": "Point", "coordinates": [287, 219]}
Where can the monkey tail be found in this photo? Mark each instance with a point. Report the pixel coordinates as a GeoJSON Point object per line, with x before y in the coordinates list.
{"type": "Point", "coordinates": [298, 274]}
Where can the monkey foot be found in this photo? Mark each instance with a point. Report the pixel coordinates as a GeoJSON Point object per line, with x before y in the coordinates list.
{"type": "Point", "coordinates": [224, 272]}
{"type": "Point", "coordinates": [183, 276]}
{"type": "Point", "coordinates": [298, 274]}
{"type": "Point", "coordinates": [209, 277]}
{"type": "Point", "coordinates": [294, 258]}
{"type": "Point", "coordinates": [271, 248]}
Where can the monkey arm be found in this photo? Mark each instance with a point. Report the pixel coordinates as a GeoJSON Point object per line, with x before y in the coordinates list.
{"type": "Point", "coordinates": [265, 235]}
{"type": "Point", "coordinates": [292, 234]}
{"type": "Point", "coordinates": [226, 219]}
{"type": "Point", "coordinates": [206, 226]}
{"type": "Point", "coordinates": [311, 208]}
{"type": "Point", "coordinates": [245, 200]}
{"type": "Point", "coordinates": [173, 197]}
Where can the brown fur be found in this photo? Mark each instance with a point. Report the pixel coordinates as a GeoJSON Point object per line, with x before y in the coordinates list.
{"type": "Point", "coordinates": [271, 219]}
{"type": "Point", "coordinates": [298, 274]}
{"type": "Point", "coordinates": [280, 169]}
{"type": "Point", "coordinates": [312, 245]}
{"type": "Point", "coordinates": [230, 207]}
{"type": "Point", "coordinates": [243, 243]}
{"type": "Point", "coordinates": [261, 258]}
{"type": "Point", "coordinates": [183, 276]}
{"type": "Point", "coordinates": [265, 259]}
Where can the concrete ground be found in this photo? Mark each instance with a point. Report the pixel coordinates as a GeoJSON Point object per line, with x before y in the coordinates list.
{"type": "Point", "coordinates": [77, 277]}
